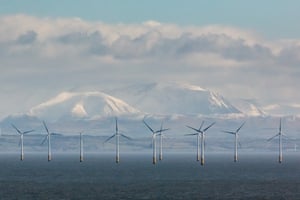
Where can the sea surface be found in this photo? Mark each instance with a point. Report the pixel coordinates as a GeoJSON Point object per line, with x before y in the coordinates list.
{"type": "Point", "coordinates": [177, 176]}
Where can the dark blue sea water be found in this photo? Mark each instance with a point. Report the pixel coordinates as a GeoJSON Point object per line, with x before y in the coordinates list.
{"type": "Point", "coordinates": [255, 176]}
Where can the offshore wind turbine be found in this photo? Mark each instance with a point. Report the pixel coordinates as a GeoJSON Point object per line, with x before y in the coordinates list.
{"type": "Point", "coordinates": [21, 142]}
{"type": "Point", "coordinates": [280, 135]}
{"type": "Point", "coordinates": [117, 136]}
{"type": "Point", "coordinates": [235, 133]}
{"type": "Point", "coordinates": [200, 134]}
{"type": "Point", "coordinates": [48, 138]}
{"type": "Point", "coordinates": [161, 141]}
{"type": "Point", "coordinates": [154, 133]}
{"type": "Point", "coordinates": [81, 148]}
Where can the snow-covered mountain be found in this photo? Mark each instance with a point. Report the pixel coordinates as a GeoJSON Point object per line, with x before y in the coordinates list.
{"type": "Point", "coordinates": [81, 105]}
{"type": "Point", "coordinates": [176, 105]}
{"type": "Point", "coordinates": [175, 98]}
{"type": "Point", "coordinates": [249, 107]}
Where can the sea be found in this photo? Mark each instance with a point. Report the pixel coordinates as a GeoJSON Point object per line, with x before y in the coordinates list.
{"type": "Point", "coordinates": [177, 176]}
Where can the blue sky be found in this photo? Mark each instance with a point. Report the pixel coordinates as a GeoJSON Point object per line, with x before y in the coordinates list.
{"type": "Point", "coordinates": [272, 18]}
{"type": "Point", "coordinates": [241, 49]}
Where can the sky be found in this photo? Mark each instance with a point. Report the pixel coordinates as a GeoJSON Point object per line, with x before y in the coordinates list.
{"type": "Point", "coordinates": [241, 49]}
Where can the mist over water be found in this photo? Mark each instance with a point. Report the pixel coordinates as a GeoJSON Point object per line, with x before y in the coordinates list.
{"type": "Point", "coordinates": [178, 176]}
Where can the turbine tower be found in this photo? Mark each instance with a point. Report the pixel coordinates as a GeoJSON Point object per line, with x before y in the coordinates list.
{"type": "Point", "coordinates": [235, 133]}
{"type": "Point", "coordinates": [48, 138]}
{"type": "Point", "coordinates": [117, 136]}
{"type": "Point", "coordinates": [200, 133]}
{"type": "Point", "coordinates": [154, 133]}
{"type": "Point", "coordinates": [21, 142]}
{"type": "Point", "coordinates": [160, 134]}
{"type": "Point", "coordinates": [81, 148]}
{"type": "Point", "coordinates": [280, 135]}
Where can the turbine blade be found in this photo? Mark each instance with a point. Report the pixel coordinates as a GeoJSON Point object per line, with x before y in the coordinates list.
{"type": "Point", "coordinates": [230, 132]}
{"type": "Point", "coordinates": [126, 137]}
{"type": "Point", "coordinates": [191, 134]}
{"type": "Point", "coordinates": [46, 127]}
{"type": "Point", "coordinates": [240, 145]}
{"type": "Point", "coordinates": [193, 129]}
{"type": "Point", "coordinates": [44, 140]}
{"type": "Point", "coordinates": [284, 135]}
{"type": "Point", "coordinates": [202, 123]}
{"type": "Point", "coordinates": [117, 129]}
{"type": "Point", "coordinates": [19, 142]}
{"type": "Point", "coordinates": [148, 126]}
{"type": "Point", "coordinates": [59, 134]}
{"type": "Point", "coordinates": [209, 126]}
{"type": "Point", "coordinates": [109, 138]}
{"type": "Point", "coordinates": [16, 129]}
{"type": "Point", "coordinates": [240, 127]}
{"type": "Point", "coordinates": [273, 137]}
{"type": "Point", "coordinates": [28, 131]}
{"type": "Point", "coordinates": [161, 130]}
{"type": "Point", "coordinates": [166, 129]}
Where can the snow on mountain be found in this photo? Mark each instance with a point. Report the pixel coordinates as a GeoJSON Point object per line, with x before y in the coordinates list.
{"type": "Point", "coordinates": [81, 105]}
{"type": "Point", "coordinates": [249, 107]}
{"type": "Point", "coordinates": [175, 98]}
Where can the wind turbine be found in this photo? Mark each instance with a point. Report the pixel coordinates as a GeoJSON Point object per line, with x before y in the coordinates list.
{"type": "Point", "coordinates": [235, 133]}
{"type": "Point", "coordinates": [48, 138]}
{"type": "Point", "coordinates": [161, 141]}
{"type": "Point", "coordinates": [81, 148]}
{"type": "Point", "coordinates": [21, 139]}
{"type": "Point", "coordinates": [279, 134]}
{"type": "Point", "coordinates": [200, 132]}
{"type": "Point", "coordinates": [154, 133]}
{"type": "Point", "coordinates": [117, 136]}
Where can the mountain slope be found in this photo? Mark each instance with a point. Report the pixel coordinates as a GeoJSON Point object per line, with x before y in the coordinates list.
{"type": "Point", "coordinates": [174, 98]}
{"type": "Point", "coordinates": [81, 105]}
{"type": "Point", "coordinates": [249, 107]}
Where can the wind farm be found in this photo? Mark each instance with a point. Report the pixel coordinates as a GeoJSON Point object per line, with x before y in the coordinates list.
{"type": "Point", "coordinates": [97, 146]}
{"type": "Point", "coordinates": [149, 100]}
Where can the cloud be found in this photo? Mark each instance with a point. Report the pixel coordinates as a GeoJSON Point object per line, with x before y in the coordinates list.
{"type": "Point", "coordinates": [27, 38]}
{"type": "Point", "coordinates": [56, 54]}
{"type": "Point", "coordinates": [150, 40]}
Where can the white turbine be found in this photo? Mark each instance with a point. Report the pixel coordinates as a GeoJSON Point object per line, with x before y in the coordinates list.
{"type": "Point", "coordinates": [161, 141]}
{"type": "Point", "coordinates": [235, 133]}
{"type": "Point", "coordinates": [202, 133]}
{"type": "Point", "coordinates": [81, 148]}
{"type": "Point", "coordinates": [154, 133]}
{"type": "Point", "coordinates": [21, 142]}
{"type": "Point", "coordinates": [117, 135]}
{"type": "Point", "coordinates": [48, 138]}
{"type": "Point", "coordinates": [280, 135]}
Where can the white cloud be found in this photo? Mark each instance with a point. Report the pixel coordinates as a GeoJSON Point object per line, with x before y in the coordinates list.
{"type": "Point", "coordinates": [55, 54]}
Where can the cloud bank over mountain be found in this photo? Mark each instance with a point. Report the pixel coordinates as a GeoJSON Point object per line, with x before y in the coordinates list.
{"type": "Point", "coordinates": [41, 57]}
